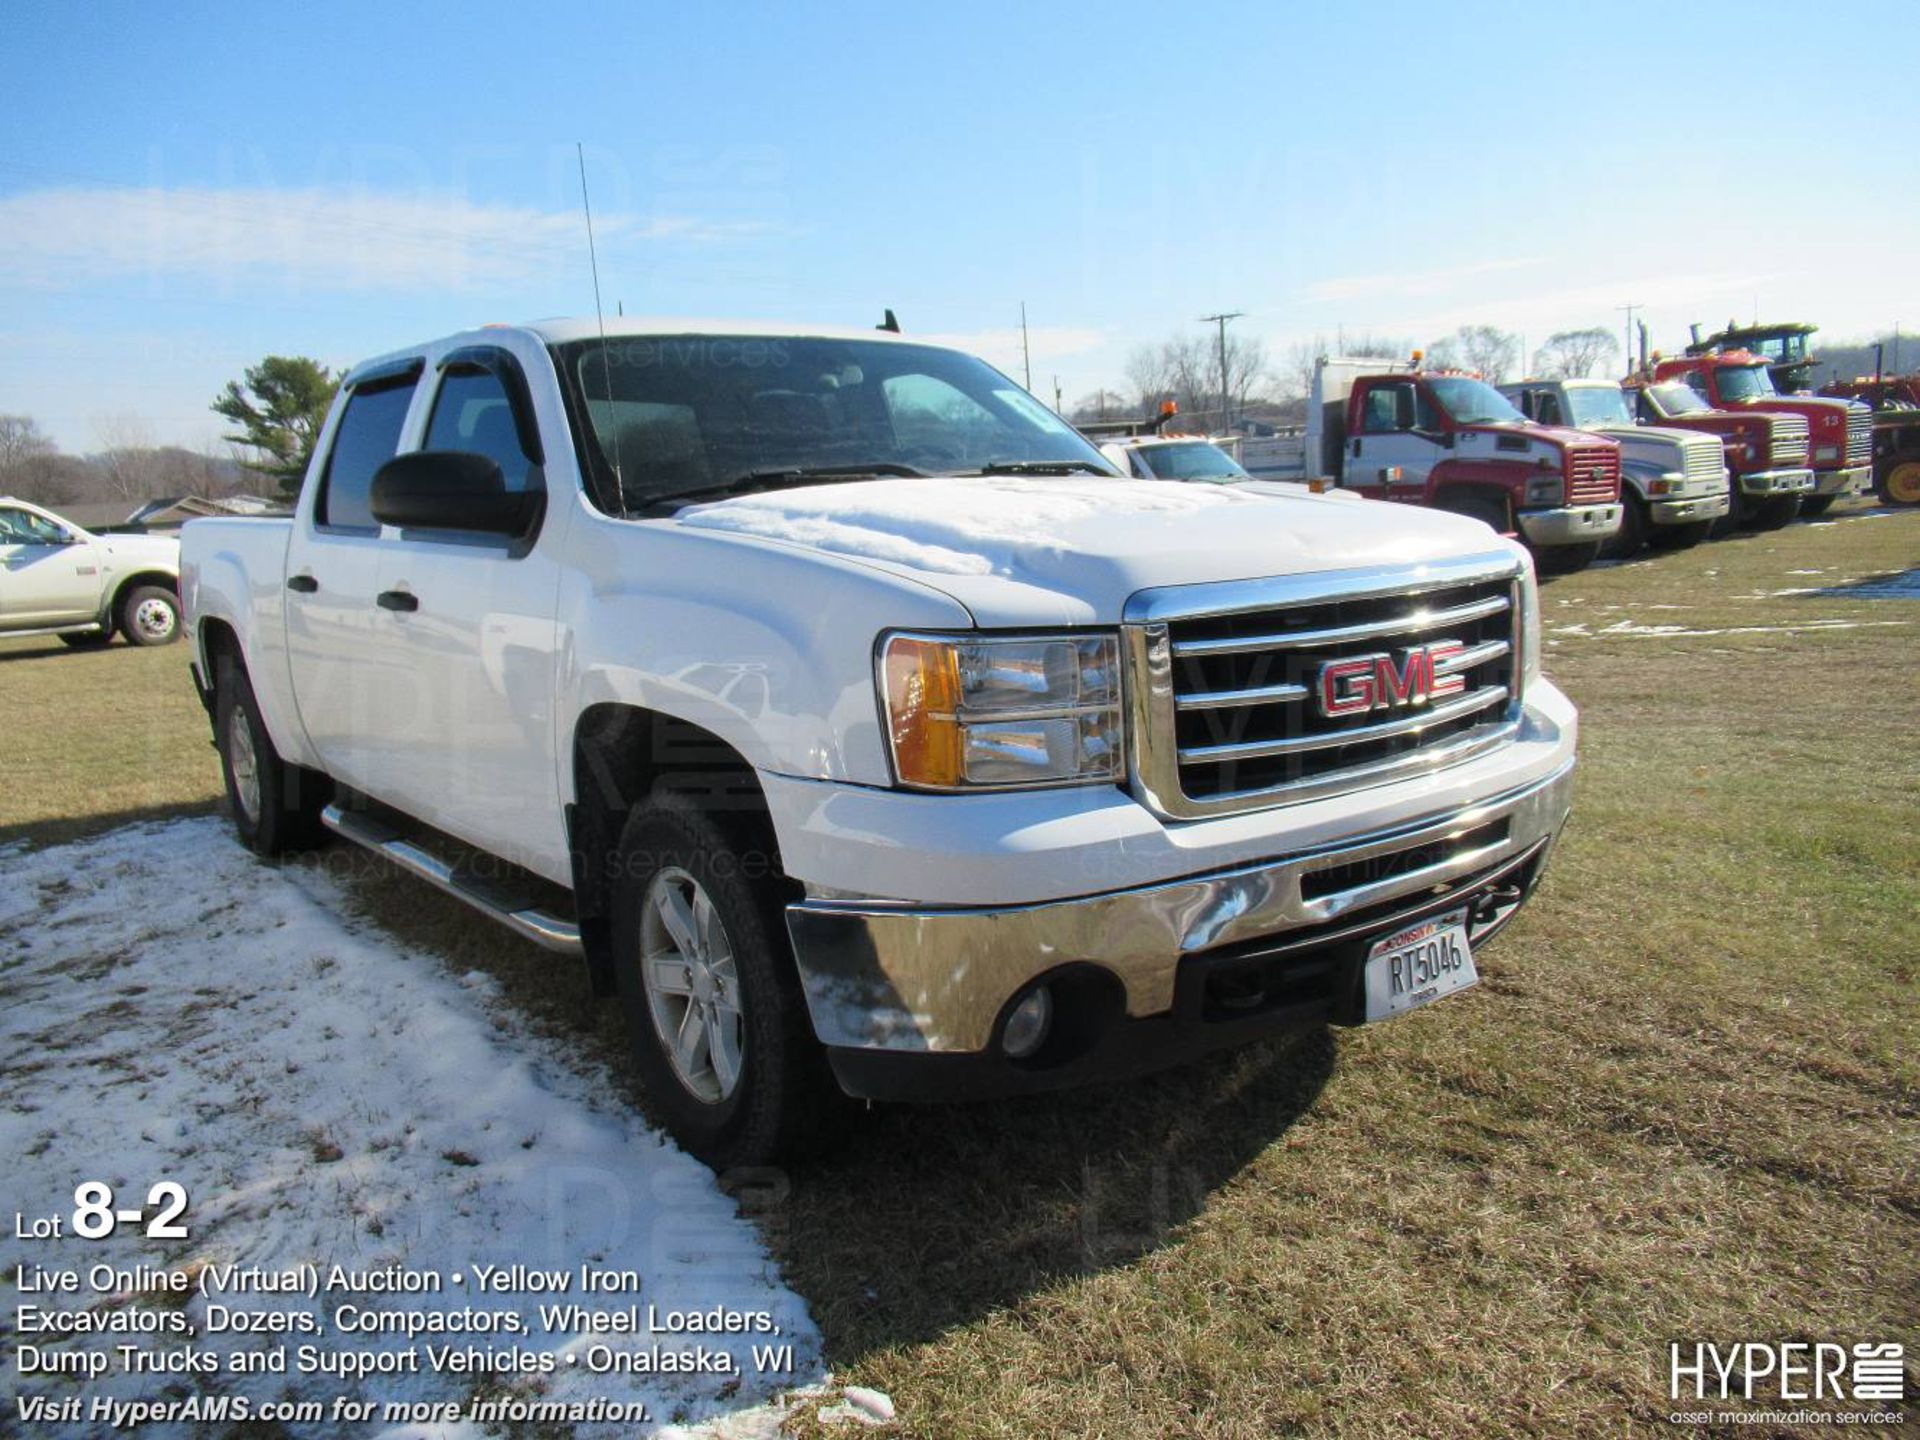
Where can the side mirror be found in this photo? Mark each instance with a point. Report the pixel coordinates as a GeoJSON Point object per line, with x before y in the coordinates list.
{"type": "Point", "coordinates": [452, 490]}
{"type": "Point", "coordinates": [1403, 416]}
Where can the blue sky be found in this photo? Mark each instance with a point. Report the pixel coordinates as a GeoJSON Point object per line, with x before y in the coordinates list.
{"type": "Point", "coordinates": [186, 188]}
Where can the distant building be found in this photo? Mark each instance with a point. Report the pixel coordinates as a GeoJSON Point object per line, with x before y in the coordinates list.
{"type": "Point", "coordinates": [165, 517]}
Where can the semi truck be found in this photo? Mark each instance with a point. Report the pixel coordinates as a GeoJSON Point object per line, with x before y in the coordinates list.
{"type": "Point", "coordinates": [861, 729]}
{"type": "Point", "coordinates": [1839, 432]}
{"type": "Point", "coordinates": [1392, 430]}
{"type": "Point", "coordinates": [1674, 481]}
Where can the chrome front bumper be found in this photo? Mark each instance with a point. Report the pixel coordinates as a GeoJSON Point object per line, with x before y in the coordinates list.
{"type": "Point", "coordinates": [1855, 481]}
{"type": "Point", "coordinates": [1777, 482]}
{"type": "Point", "coordinates": [1569, 525]}
{"type": "Point", "coordinates": [1685, 509]}
{"type": "Point", "coordinates": [893, 978]}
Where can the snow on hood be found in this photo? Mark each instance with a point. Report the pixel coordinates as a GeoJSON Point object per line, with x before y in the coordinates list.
{"type": "Point", "coordinates": [1039, 550]}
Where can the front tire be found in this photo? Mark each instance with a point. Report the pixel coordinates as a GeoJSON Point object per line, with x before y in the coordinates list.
{"type": "Point", "coordinates": [1679, 537]}
{"type": "Point", "coordinates": [1565, 559]}
{"type": "Point", "coordinates": [1774, 513]}
{"type": "Point", "coordinates": [1815, 505]}
{"type": "Point", "coordinates": [88, 640]}
{"type": "Point", "coordinates": [276, 806]}
{"type": "Point", "coordinates": [714, 1010]}
{"type": "Point", "coordinates": [1635, 527]}
{"type": "Point", "coordinates": [150, 615]}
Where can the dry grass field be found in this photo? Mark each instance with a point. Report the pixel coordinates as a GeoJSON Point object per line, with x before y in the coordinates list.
{"type": "Point", "coordinates": [1683, 1105]}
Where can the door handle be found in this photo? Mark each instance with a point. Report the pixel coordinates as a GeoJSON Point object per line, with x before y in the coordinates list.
{"type": "Point", "coordinates": [303, 584]}
{"type": "Point", "coordinates": [1356, 447]}
{"type": "Point", "coordinates": [396, 600]}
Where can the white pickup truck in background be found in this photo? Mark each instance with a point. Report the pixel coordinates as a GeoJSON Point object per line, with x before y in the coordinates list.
{"type": "Point", "coordinates": [859, 726]}
{"type": "Point", "coordinates": [58, 579]}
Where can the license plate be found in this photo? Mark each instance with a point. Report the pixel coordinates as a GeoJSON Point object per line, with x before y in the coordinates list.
{"type": "Point", "coordinates": [1418, 965]}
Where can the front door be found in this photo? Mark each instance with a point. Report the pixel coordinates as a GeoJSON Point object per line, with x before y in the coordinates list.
{"type": "Point", "coordinates": [1391, 437]}
{"type": "Point", "coordinates": [49, 575]}
{"type": "Point", "coordinates": [469, 720]}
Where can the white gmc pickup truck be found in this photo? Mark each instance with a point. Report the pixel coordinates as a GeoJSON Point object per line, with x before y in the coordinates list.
{"type": "Point", "coordinates": [862, 729]}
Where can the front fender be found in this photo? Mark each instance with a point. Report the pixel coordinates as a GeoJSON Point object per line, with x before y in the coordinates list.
{"type": "Point", "coordinates": [766, 646]}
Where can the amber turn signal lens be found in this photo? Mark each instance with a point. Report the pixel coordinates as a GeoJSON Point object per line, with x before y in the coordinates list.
{"type": "Point", "coordinates": [923, 701]}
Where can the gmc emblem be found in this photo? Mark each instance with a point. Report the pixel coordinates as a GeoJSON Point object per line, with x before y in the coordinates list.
{"type": "Point", "coordinates": [1363, 683]}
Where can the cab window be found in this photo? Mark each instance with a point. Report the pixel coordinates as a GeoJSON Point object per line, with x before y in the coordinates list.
{"type": "Point", "coordinates": [1383, 404]}
{"type": "Point", "coordinates": [368, 436]}
{"type": "Point", "coordinates": [23, 527]}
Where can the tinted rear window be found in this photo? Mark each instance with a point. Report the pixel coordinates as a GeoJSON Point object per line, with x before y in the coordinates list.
{"type": "Point", "coordinates": [368, 436]}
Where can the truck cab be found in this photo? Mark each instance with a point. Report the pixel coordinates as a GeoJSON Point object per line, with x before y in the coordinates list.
{"type": "Point", "coordinates": [59, 579]}
{"type": "Point", "coordinates": [1839, 432]}
{"type": "Point", "coordinates": [1450, 440]}
{"type": "Point", "coordinates": [1174, 457]}
{"type": "Point", "coordinates": [1673, 481]}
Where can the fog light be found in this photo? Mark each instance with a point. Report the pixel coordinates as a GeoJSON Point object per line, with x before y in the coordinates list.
{"type": "Point", "coordinates": [1028, 1025]}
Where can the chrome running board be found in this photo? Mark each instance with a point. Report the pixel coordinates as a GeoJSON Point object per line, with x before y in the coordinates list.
{"type": "Point", "coordinates": [527, 921]}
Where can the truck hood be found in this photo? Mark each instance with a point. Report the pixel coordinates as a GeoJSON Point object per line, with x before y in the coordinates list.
{"type": "Point", "coordinates": [1030, 550]}
{"type": "Point", "coordinates": [162, 552]}
{"type": "Point", "coordinates": [1645, 442]}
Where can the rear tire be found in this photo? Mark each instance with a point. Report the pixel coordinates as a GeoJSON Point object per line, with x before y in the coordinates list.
{"type": "Point", "coordinates": [150, 615]}
{"type": "Point", "coordinates": [1902, 483]}
{"type": "Point", "coordinates": [719, 1026]}
{"type": "Point", "coordinates": [276, 806]}
{"type": "Point", "coordinates": [1813, 505]}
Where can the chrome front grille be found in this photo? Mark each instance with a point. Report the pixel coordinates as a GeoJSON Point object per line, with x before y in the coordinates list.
{"type": "Point", "coordinates": [1593, 476]}
{"type": "Point", "coordinates": [1859, 435]}
{"type": "Point", "coordinates": [1704, 458]}
{"type": "Point", "coordinates": [1789, 448]}
{"type": "Point", "coordinates": [1237, 690]}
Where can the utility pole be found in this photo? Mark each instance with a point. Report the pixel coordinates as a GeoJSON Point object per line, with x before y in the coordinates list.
{"type": "Point", "coordinates": [1058, 409]}
{"type": "Point", "coordinates": [1026, 355]}
{"type": "Point", "coordinates": [1630, 309]}
{"type": "Point", "coordinates": [1226, 398]}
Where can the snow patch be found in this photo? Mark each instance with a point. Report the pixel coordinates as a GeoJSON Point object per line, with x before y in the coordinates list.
{"type": "Point", "coordinates": [989, 525]}
{"type": "Point", "coordinates": [170, 1008]}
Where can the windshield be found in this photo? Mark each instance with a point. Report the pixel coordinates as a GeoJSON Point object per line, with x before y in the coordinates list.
{"type": "Point", "coordinates": [688, 414]}
{"type": "Point", "coordinates": [1597, 405]}
{"type": "Point", "coordinates": [1674, 398]}
{"type": "Point", "coordinates": [1745, 382]}
{"type": "Point", "coordinates": [1191, 460]}
{"type": "Point", "coordinates": [1472, 402]}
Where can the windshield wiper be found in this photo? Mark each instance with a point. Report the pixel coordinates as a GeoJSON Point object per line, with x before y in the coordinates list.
{"type": "Point", "coordinates": [1041, 467]}
{"type": "Point", "coordinates": [784, 475]}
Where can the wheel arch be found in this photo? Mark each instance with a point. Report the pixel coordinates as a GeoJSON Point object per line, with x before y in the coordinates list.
{"type": "Point", "coordinates": [620, 754]}
{"type": "Point", "coordinates": [127, 584]}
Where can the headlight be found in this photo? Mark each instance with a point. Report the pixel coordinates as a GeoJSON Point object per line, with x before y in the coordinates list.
{"type": "Point", "coordinates": [1666, 482]}
{"type": "Point", "coordinates": [968, 712]}
{"type": "Point", "coordinates": [1530, 641]}
{"type": "Point", "coordinates": [1546, 490]}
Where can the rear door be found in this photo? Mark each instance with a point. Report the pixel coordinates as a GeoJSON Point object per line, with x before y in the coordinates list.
{"type": "Point", "coordinates": [343, 663]}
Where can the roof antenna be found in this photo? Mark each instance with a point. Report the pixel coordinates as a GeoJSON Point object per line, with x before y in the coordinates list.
{"type": "Point", "coordinates": [600, 315]}
{"type": "Point", "coordinates": [891, 325]}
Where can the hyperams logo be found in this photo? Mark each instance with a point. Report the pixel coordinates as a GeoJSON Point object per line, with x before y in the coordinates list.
{"type": "Point", "coordinates": [1792, 1370]}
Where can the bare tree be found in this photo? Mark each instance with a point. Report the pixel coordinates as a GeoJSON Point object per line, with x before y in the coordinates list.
{"type": "Point", "coordinates": [126, 456]}
{"type": "Point", "coordinates": [1101, 404]}
{"type": "Point", "coordinates": [1147, 374]}
{"type": "Point", "coordinates": [1295, 375]}
{"type": "Point", "coordinates": [31, 465]}
{"type": "Point", "coordinates": [1490, 352]}
{"type": "Point", "coordinates": [1572, 354]}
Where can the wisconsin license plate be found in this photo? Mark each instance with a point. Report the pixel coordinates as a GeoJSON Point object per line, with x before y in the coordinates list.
{"type": "Point", "coordinates": [1412, 967]}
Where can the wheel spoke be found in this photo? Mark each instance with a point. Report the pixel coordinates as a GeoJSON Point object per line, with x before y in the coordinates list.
{"type": "Point", "coordinates": [690, 1045]}
{"type": "Point", "coordinates": [678, 919]}
{"type": "Point", "coordinates": [669, 975]}
{"type": "Point", "coordinates": [713, 935]}
{"type": "Point", "coordinates": [723, 1046]}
